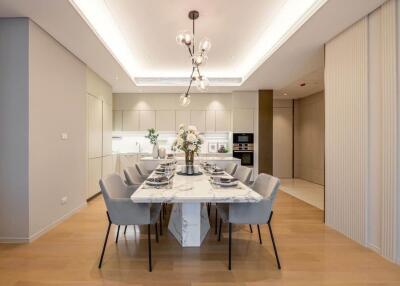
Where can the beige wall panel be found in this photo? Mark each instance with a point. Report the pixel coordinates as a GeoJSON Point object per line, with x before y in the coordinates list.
{"type": "Point", "coordinates": [165, 120]}
{"type": "Point", "coordinates": [182, 117]}
{"type": "Point", "coordinates": [243, 120]}
{"type": "Point", "coordinates": [282, 142]}
{"type": "Point", "coordinates": [130, 120]}
{"type": "Point", "coordinates": [147, 119]}
{"type": "Point", "coordinates": [198, 119]}
{"type": "Point", "coordinates": [223, 121]}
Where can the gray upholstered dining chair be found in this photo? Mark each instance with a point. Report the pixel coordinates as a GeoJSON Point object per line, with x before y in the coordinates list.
{"type": "Point", "coordinates": [252, 213]}
{"type": "Point", "coordinates": [142, 170]}
{"type": "Point", "coordinates": [133, 177]}
{"type": "Point", "coordinates": [122, 211]}
{"type": "Point", "coordinates": [243, 174]}
{"type": "Point", "coordinates": [231, 168]}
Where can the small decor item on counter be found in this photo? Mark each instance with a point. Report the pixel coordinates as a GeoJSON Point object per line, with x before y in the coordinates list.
{"type": "Point", "coordinates": [222, 147]}
{"type": "Point", "coordinates": [189, 141]}
{"type": "Point", "coordinates": [212, 147]}
{"type": "Point", "coordinates": [153, 136]}
{"type": "Point", "coordinates": [162, 152]}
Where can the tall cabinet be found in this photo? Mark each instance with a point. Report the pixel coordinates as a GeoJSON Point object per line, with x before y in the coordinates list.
{"type": "Point", "coordinates": [99, 125]}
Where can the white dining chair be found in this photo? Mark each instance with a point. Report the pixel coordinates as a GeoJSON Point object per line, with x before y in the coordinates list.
{"type": "Point", "coordinates": [142, 170]}
{"type": "Point", "coordinates": [122, 211]}
{"type": "Point", "coordinates": [243, 174]}
{"type": "Point", "coordinates": [231, 168]}
{"type": "Point", "coordinates": [252, 213]}
{"type": "Point", "coordinates": [133, 177]}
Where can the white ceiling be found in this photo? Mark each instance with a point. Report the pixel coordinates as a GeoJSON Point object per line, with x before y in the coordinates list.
{"type": "Point", "coordinates": [149, 27]}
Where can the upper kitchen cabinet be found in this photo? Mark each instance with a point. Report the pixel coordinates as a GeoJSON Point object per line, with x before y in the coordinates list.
{"type": "Point", "coordinates": [165, 120]}
{"type": "Point", "coordinates": [147, 120]}
{"type": "Point", "coordinates": [223, 120]}
{"type": "Point", "coordinates": [107, 129]}
{"type": "Point", "coordinates": [117, 120]}
{"type": "Point", "coordinates": [210, 120]}
{"type": "Point", "coordinates": [130, 120]}
{"type": "Point", "coordinates": [182, 117]}
{"type": "Point", "coordinates": [198, 119]}
{"type": "Point", "coordinates": [243, 120]}
{"type": "Point", "coordinates": [95, 126]}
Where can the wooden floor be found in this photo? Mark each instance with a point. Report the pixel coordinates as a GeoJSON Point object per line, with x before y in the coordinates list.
{"type": "Point", "coordinates": [311, 254]}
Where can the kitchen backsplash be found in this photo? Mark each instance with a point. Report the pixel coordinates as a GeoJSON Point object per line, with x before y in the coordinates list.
{"type": "Point", "coordinates": [137, 143]}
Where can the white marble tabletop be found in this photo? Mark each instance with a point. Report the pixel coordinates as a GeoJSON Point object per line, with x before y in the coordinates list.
{"type": "Point", "coordinates": [194, 189]}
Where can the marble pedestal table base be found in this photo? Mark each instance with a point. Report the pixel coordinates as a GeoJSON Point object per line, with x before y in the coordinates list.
{"type": "Point", "coordinates": [189, 223]}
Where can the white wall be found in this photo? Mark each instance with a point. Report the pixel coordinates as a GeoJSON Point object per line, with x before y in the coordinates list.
{"type": "Point", "coordinates": [362, 132]}
{"type": "Point", "coordinates": [57, 104]}
{"type": "Point", "coordinates": [283, 138]}
{"type": "Point", "coordinates": [14, 128]}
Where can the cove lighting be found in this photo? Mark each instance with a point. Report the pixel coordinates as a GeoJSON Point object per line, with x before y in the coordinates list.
{"type": "Point", "coordinates": [292, 15]}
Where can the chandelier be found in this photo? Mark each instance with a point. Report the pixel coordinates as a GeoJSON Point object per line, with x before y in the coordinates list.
{"type": "Point", "coordinates": [199, 58]}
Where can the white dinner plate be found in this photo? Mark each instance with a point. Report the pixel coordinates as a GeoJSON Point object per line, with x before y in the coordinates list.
{"type": "Point", "coordinates": [150, 183]}
{"type": "Point", "coordinates": [228, 184]}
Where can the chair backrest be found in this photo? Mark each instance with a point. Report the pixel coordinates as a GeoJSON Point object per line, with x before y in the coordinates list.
{"type": "Point", "coordinates": [121, 209]}
{"type": "Point", "coordinates": [267, 186]}
{"type": "Point", "coordinates": [141, 169]}
{"type": "Point", "coordinates": [133, 176]}
{"type": "Point", "coordinates": [231, 168]}
{"type": "Point", "coordinates": [243, 174]}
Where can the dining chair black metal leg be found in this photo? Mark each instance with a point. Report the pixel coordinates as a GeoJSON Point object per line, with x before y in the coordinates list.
{"type": "Point", "coordinates": [216, 220]}
{"type": "Point", "coordinates": [105, 241]}
{"type": "Point", "coordinates": [259, 233]}
{"type": "Point", "coordinates": [125, 229]}
{"type": "Point", "coordinates": [251, 228]}
{"type": "Point", "coordinates": [149, 246]}
{"type": "Point", "coordinates": [273, 241]}
{"type": "Point", "coordinates": [161, 224]}
{"type": "Point", "coordinates": [219, 229]}
{"type": "Point", "coordinates": [156, 229]}
{"type": "Point", "coordinates": [116, 239]}
{"type": "Point", "coordinates": [230, 247]}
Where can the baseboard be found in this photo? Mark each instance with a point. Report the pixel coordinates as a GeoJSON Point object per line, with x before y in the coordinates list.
{"type": "Point", "coordinates": [374, 248]}
{"type": "Point", "coordinates": [14, 240]}
{"type": "Point", "coordinates": [56, 222]}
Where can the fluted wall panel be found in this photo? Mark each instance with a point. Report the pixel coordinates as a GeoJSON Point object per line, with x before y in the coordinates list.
{"type": "Point", "coordinates": [346, 129]}
{"type": "Point", "coordinates": [389, 131]}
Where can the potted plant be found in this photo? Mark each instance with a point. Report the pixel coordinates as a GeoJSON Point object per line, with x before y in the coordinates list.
{"type": "Point", "coordinates": [153, 136]}
{"type": "Point", "coordinates": [189, 141]}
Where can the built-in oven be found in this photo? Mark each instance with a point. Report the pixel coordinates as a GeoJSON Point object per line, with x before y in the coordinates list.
{"type": "Point", "coordinates": [243, 148]}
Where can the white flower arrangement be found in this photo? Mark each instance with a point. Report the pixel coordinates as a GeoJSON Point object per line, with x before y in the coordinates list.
{"type": "Point", "coordinates": [188, 140]}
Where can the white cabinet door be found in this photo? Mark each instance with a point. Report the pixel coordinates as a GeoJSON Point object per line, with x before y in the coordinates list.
{"type": "Point", "coordinates": [243, 120]}
{"type": "Point", "coordinates": [117, 120]}
{"type": "Point", "coordinates": [165, 120]}
{"type": "Point", "coordinates": [210, 120]}
{"type": "Point", "coordinates": [107, 129]}
{"type": "Point", "coordinates": [147, 119]}
{"type": "Point", "coordinates": [182, 117]}
{"type": "Point", "coordinates": [198, 119]}
{"type": "Point", "coordinates": [94, 172]}
{"type": "Point", "coordinates": [95, 126]}
{"type": "Point", "coordinates": [130, 120]}
{"type": "Point", "coordinates": [223, 120]}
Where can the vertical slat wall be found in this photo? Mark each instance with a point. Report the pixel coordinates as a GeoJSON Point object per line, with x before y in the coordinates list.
{"type": "Point", "coordinates": [346, 129]}
{"type": "Point", "coordinates": [389, 131]}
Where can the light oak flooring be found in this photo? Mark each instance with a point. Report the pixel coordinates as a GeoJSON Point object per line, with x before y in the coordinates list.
{"type": "Point", "coordinates": [308, 192]}
{"type": "Point", "coordinates": [311, 254]}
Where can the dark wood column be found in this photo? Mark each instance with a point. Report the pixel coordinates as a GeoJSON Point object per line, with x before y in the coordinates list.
{"type": "Point", "coordinates": [265, 132]}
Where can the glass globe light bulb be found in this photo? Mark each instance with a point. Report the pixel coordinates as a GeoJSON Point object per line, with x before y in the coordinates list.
{"type": "Point", "coordinates": [202, 83]}
{"type": "Point", "coordinates": [205, 45]}
{"type": "Point", "coordinates": [199, 59]}
{"type": "Point", "coordinates": [184, 38]}
{"type": "Point", "coordinates": [184, 99]}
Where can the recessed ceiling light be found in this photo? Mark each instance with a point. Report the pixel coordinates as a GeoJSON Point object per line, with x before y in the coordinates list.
{"type": "Point", "coordinates": [288, 20]}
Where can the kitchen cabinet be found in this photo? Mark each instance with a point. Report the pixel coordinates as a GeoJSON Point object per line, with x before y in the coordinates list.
{"type": "Point", "coordinates": [210, 120]}
{"type": "Point", "coordinates": [198, 119]}
{"type": "Point", "coordinates": [147, 119]}
{"type": "Point", "coordinates": [95, 126]}
{"type": "Point", "coordinates": [107, 166]}
{"type": "Point", "coordinates": [107, 129]}
{"type": "Point", "coordinates": [181, 117]}
{"type": "Point", "coordinates": [223, 120]}
{"type": "Point", "coordinates": [94, 175]}
{"type": "Point", "coordinates": [130, 120]}
{"type": "Point", "coordinates": [165, 120]}
{"type": "Point", "coordinates": [243, 120]}
{"type": "Point", "coordinates": [117, 120]}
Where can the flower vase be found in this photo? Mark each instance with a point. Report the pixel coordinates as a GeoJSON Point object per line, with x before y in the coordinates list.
{"type": "Point", "coordinates": [189, 158]}
{"type": "Point", "coordinates": [155, 151]}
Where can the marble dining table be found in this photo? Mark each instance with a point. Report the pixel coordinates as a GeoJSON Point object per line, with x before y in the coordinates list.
{"type": "Point", "coordinates": [189, 222]}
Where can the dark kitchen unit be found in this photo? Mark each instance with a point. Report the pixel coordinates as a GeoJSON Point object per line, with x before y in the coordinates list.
{"type": "Point", "coordinates": [243, 148]}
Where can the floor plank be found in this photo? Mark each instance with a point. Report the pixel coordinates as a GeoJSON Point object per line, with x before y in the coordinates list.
{"type": "Point", "coordinates": [311, 254]}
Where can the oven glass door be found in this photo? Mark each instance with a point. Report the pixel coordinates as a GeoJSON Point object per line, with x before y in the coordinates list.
{"type": "Point", "coordinates": [246, 158]}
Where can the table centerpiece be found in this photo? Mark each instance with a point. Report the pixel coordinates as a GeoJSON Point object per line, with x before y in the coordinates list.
{"type": "Point", "coordinates": [189, 141]}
